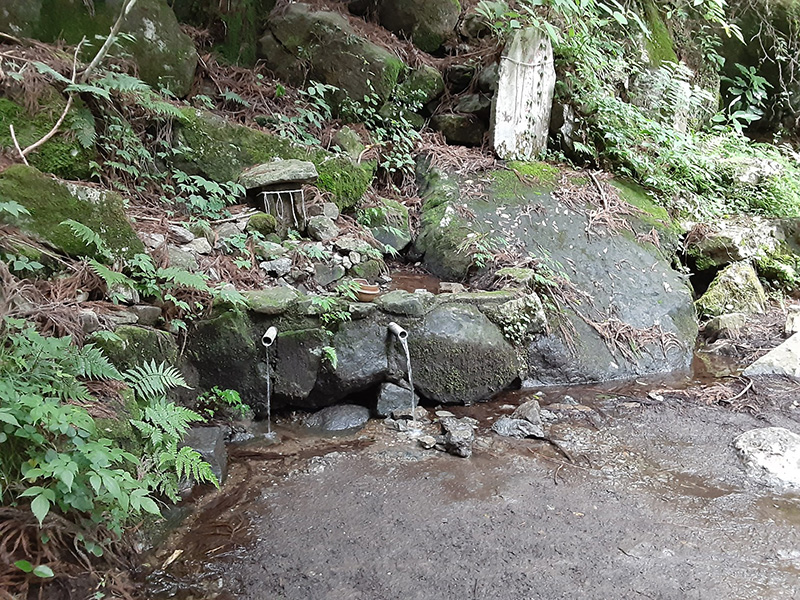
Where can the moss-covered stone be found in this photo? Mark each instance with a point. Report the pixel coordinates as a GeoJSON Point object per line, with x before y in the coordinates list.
{"type": "Point", "coordinates": [165, 56]}
{"type": "Point", "coordinates": [427, 22]}
{"type": "Point", "coordinates": [135, 346]}
{"type": "Point", "coordinates": [659, 45]}
{"type": "Point", "coordinates": [459, 356]}
{"type": "Point", "coordinates": [60, 155]}
{"type": "Point", "coordinates": [369, 269]}
{"type": "Point", "coordinates": [262, 223]}
{"type": "Point", "coordinates": [389, 224]}
{"type": "Point", "coordinates": [424, 84]}
{"type": "Point", "coordinates": [333, 52]}
{"type": "Point", "coordinates": [272, 301]}
{"type": "Point", "coordinates": [225, 353]}
{"type": "Point", "coordinates": [735, 289]}
{"type": "Point", "coordinates": [220, 150]}
{"type": "Point", "coordinates": [50, 202]}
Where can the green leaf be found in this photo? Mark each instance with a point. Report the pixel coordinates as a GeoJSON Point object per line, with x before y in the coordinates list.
{"type": "Point", "coordinates": [24, 566]}
{"type": "Point", "coordinates": [149, 505]}
{"type": "Point", "coordinates": [43, 571]}
{"type": "Point", "coordinates": [40, 507]}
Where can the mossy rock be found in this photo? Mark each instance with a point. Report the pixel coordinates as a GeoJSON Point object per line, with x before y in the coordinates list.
{"type": "Point", "coordinates": [544, 175]}
{"type": "Point", "coordinates": [333, 52]}
{"type": "Point", "coordinates": [659, 45]}
{"type": "Point", "coordinates": [429, 23]}
{"type": "Point", "coordinates": [390, 224]}
{"type": "Point", "coordinates": [262, 223]}
{"type": "Point", "coordinates": [164, 55]}
{"type": "Point", "coordinates": [135, 346]}
{"type": "Point", "coordinates": [226, 354]}
{"type": "Point", "coordinates": [272, 301]}
{"type": "Point", "coordinates": [50, 202]}
{"type": "Point", "coordinates": [62, 155]}
{"type": "Point", "coordinates": [459, 356]}
{"type": "Point", "coordinates": [736, 288]}
{"type": "Point", "coordinates": [369, 269]}
{"type": "Point", "coordinates": [425, 84]}
{"type": "Point", "coordinates": [220, 150]}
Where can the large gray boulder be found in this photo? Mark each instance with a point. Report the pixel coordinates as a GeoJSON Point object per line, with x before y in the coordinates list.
{"type": "Point", "coordinates": [333, 52]}
{"type": "Point", "coordinates": [429, 23]}
{"type": "Point", "coordinates": [631, 314]}
{"type": "Point", "coordinates": [783, 360]}
{"type": "Point", "coordinates": [164, 55]}
{"type": "Point", "coordinates": [460, 357]}
{"type": "Point", "coordinates": [342, 417]}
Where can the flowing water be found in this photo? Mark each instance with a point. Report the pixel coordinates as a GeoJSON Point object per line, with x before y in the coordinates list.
{"type": "Point", "coordinates": [404, 344]}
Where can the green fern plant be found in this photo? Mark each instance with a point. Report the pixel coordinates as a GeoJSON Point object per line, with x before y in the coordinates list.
{"type": "Point", "coordinates": [89, 237]}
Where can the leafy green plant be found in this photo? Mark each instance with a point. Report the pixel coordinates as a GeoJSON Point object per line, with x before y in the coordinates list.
{"type": "Point", "coordinates": [481, 247]}
{"type": "Point", "coordinates": [201, 197]}
{"type": "Point", "coordinates": [224, 403]}
{"type": "Point", "coordinates": [21, 264]}
{"type": "Point", "coordinates": [330, 357]}
{"type": "Point", "coordinates": [747, 94]}
{"type": "Point", "coordinates": [53, 457]}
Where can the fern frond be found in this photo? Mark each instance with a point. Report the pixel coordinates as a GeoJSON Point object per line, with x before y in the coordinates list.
{"type": "Point", "coordinates": [113, 279]}
{"type": "Point", "coordinates": [82, 123]}
{"type": "Point", "coordinates": [88, 236]}
{"type": "Point", "coordinates": [153, 380]}
{"type": "Point", "coordinates": [183, 278]}
{"type": "Point", "coordinates": [122, 82]}
{"type": "Point", "coordinates": [91, 363]}
{"type": "Point", "coordinates": [189, 464]}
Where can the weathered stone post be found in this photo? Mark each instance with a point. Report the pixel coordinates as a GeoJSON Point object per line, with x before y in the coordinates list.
{"type": "Point", "coordinates": [521, 108]}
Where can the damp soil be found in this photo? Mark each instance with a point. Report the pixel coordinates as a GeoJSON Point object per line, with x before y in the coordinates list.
{"type": "Point", "coordinates": [654, 505]}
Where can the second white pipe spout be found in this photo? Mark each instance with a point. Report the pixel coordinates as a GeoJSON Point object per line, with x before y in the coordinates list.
{"type": "Point", "coordinates": [397, 331]}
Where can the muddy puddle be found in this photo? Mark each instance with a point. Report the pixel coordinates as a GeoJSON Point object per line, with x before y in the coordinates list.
{"type": "Point", "coordinates": [654, 504]}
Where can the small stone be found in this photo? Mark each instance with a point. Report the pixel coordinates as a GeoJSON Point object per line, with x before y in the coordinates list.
{"type": "Point", "coordinates": [226, 230]}
{"type": "Point", "coordinates": [322, 228]}
{"type": "Point", "coordinates": [726, 326]}
{"type": "Point", "coordinates": [529, 411]}
{"type": "Point", "coordinates": [772, 455]}
{"type": "Point", "coordinates": [392, 399]}
{"type": "Point", "coordinates": [783, 360]}
{"type": "Point", "coordinates": [89, 321]}
{"type": "Point", "coordinates": [347, 263]}
{"type": "Point", "coordinates": [152, 240]}
{"type": "Point", "coordinates": [449, 287]}
{"type": "Point", "coordinates": [209, 442]}
{"type": "Point", "coordinates": [792, 321]}
{"type": "Point", "coordinates": [400, 414]}
{"type": "Point", "coordinates": [269, 250]}
{"type": "Point", "coordinates": [325, 274]}
{"type": "Point", "coordinates": [459, 436]}
{"type": "Point", "coordinates": [123, 294]}
{"type": "Point", "coordinates": [181, 259]}
{"type": "Point", "coordinates": [123, 317]}
{"type": "Point", "coordinates": [427, 442]}
{"type": "Point", "coordinates": [180, 235]}
{"type": "Point", "coordinates": [339, 418]}
{"type": "Point", "coordinates": [569, 400]}
{"type": "Point", "coordinates": [517, 428]}
{"type": "Point", "coordinates": [400, 302]}
{"type": "Point", "coordinates": [443, 414]}
{"type": "Point", "coordinates": [355, 257]}
{"type": "Point", "coordinates": [350, 243]}
{"type": "Point", "coordinates": [199, 246]}
{"type": "Point", "coordinates": [148, 315]}
{"type": "Point", "coordinates": [278, 267]}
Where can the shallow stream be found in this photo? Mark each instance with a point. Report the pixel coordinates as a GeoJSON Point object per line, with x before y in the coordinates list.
{"type": "Point", "coordinates": [654, 504]}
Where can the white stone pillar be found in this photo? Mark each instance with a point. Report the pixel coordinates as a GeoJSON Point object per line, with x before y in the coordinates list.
{"type": "Point", "coordinates": [521, 107]}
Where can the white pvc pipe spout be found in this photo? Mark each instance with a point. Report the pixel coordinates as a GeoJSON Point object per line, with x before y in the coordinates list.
{"type": "Point", "coordinates": [269, 337]}
{"type": "Point", "coordinates": [397, 331]}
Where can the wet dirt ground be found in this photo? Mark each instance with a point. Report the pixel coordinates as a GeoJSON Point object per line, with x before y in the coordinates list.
{"type": "Point", "coordinates": [655, 505]}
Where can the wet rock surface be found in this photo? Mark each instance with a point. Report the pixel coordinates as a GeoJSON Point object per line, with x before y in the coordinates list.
{"type": "Point", "coordinates": [771, 455]}
{"type": "Point", "coordinates": [656, 505]}
{"type": "Point", "coordinates": [338, 418]}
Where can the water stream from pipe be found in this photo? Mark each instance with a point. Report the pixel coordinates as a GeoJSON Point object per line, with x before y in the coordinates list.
{"type": "Point", "coordinates": [404, 344]}
{"type": "Point", "coordinates": [267, 340]}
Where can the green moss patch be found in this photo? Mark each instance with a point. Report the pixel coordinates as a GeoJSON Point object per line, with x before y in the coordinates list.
{"type": "Point", "coordinates": [50, 202]}
{"type": "Point", "coordinates": [61, 155]}
{"type": "Point", "coordinates": [221, 150]}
